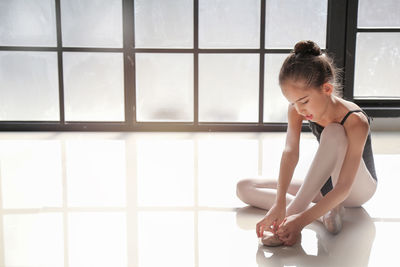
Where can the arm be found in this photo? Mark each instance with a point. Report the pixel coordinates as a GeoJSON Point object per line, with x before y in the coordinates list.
{"type": "Point", "coordinates": [289, 160]}
{"type": "Point", "coordinates": [290, 155]}
{"type": "Point", "coordinates": [357, 133]}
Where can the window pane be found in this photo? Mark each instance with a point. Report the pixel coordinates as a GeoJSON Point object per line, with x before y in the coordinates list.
{"type": "Point", "coordinates": [164, 87]}
{"type": "Point", "coordinates": [289, 21]}
{"type": "Point", "coordinates": [93, 86]}
{"type": "Point", "coordinates": [377, 65]}
{"type": "Point", "coordinates": [29, 86]}
{"type": "Point", "coordinates": [160, 23]}
{"type": "Point", "coordinates": [275, 104]}
{"type": "Point", "coordinates": [229, 76]}
{"type": "Point", "coordinates": [92, 23]}
{"type": "Point", "coordinates": [229, 24]}
{"type": "Point", "coordinates": [28, 23]}
{"type": "Point", "coordinates": [378, 14]}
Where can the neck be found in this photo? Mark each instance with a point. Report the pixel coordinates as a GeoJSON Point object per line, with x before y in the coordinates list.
{"type": "Point", "coordinates": [332, 112]}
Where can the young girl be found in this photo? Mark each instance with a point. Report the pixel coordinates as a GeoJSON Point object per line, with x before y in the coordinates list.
{"type": "Point", "coordinates": [342, 173]}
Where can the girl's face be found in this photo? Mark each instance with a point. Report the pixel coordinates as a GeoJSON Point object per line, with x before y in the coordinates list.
{"type": "Point", "coordinates": [311, 103]}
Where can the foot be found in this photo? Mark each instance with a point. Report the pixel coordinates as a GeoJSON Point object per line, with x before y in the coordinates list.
{"type": "Point", "coordinates": [333, 220]}
{"type": "Point", "coordinates": [271, 240]}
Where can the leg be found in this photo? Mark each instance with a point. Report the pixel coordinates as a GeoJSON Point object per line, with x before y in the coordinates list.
{"type": "Point", "coordinates": [328, 162]}
{"type": "Point", "coordinates": [328, 158]}
{"type": "Point", "coordinates": [363, 188]}
{"type": "Point", "coordinates": [261, 193]}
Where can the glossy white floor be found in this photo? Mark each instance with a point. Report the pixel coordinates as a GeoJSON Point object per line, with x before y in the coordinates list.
{"type": "Point", "coordinates": [168, 199]}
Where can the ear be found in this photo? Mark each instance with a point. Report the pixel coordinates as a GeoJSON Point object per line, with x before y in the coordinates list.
{"type": "Point", "coordinates": [327, 88]}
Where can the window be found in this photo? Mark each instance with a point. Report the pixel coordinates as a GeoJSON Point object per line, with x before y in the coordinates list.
{"type": "Point", "coordinates": [374, 39]}
{"type": "Point", "coordinates": [183, 65]}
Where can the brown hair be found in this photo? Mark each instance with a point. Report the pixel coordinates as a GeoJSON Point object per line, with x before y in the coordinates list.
{"type": "Point", "coordinates": [308, 64]}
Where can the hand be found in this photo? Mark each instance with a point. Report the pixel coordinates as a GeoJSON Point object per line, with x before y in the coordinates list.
{"type": "Point", "coordinates": [290, 229]}
{"type": "Point", "coordinates": [271, 220]}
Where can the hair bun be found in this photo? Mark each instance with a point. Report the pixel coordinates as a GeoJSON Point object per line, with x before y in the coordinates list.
{"type": "Point", "coordinates": [307, 48]}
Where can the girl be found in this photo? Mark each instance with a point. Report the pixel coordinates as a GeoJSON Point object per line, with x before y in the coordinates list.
{"type": "Point", "coordinates": [342, 173]}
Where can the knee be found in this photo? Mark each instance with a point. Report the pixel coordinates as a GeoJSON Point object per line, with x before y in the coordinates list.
{"type": "Point", "coordinates": [243, 189]}
{"type": "Point", "coordinates": [334, 133]}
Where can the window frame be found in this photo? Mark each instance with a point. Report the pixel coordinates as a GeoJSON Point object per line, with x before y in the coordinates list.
{"type": "Point", "coordinates": [341, 34]}
{"type": "Point", "coordinates": [373, 107]}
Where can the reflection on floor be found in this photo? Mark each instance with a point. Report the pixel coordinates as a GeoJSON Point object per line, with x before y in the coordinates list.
{"type": "Point", "coordinates": [168, 199]}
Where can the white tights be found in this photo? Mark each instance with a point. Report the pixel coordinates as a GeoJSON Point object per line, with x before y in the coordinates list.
{"type": "Point", "coordinates": [327, 162]}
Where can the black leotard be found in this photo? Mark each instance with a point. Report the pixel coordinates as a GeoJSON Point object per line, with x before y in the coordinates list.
{"type": "Point", "coordinates": [368, 156]}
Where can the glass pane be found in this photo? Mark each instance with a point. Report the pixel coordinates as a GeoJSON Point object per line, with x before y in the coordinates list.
{"type": "Point", "coordinates": [96, 173]}
{"type": "Point", "coordinates": [33, 239]}
{"type": "Point", "coordinates": [164, 87]}
{"type": "Point", "coordinates": [229, 24]}
{"type": "Point", "coordinates": [170, 165]}
{"type": "Point", "coordinates": [29, 86]}
{"type": "Point", "coordinates": [177, 229]}
{"type": "Point", "coordinates": [91, 23]}
{"type": "Point", "coordinates": [160, 23]}
{"type": "Point", "coordinates": [377, 65]}
{"type": "Point", "coordinates": [289, 21]}
{"type": "Point", "coordinates": [28, 23]}
{"type": "Point", "coordinates": [97, 239]}
{"type": "Point", "coordinates": [229, 76]}
{"type": "Point", "coordinates": [93, 86]}
{"type": "Point", "coordinates": [30, 174]}
{"type": "Point", "coordinates": [378, 14]}
{"type": "Point", "coordinates": [275, 104]}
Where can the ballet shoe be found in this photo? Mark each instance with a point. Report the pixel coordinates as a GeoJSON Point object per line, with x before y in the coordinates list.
{"type": "Point", "coordinates": [332, 220]}
{"type": "Point", "coordinates": [271, 240]}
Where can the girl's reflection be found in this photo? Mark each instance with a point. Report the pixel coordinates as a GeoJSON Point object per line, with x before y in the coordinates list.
{"type": "Point", "coordinates": [351, 247]}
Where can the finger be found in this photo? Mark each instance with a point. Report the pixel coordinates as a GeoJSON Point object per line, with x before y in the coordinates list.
{"type": "Point", "coordinates": [267, 226]}
{"type": "Point", "coordinates": [258, 229]}
{"type": "Point", "coordinates": [261, 231]}
{"type": "Point", "coordinates": [284, 238]}
{"type": "Point", "coordinates": [283, 222]}
{"type": "Point", "coordinates": [276, 226]}
{"type": "Point", "coordinates": [281, 230]}
{"type": "Point", "coordinates": [288, 239]}
{"type": "Point", "coordinates": [289, 243]}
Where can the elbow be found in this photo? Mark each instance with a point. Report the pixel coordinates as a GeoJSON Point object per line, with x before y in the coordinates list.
{"type": "Point", "coordinates": [291, 155]}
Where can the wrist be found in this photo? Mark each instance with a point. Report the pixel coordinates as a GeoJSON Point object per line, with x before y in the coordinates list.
{"type": "Point", "coordinates": [302, 219]}
{"type": "Point", "coordinates": [281, 202]}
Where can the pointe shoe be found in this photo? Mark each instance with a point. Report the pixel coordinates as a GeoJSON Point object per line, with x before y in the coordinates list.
{"type": "Point", "coordinates": [271, 240]}
{"type": "Point", "coordinates": [333, 220]}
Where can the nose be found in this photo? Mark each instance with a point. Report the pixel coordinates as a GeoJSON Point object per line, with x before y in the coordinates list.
{"type": "Point", "coordinates": [299, 110]}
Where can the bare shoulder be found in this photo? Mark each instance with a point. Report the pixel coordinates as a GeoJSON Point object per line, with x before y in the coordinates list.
{"type": "Point", "coordinates": [356, 120]}
{"type": "Point", "coordinates": [357, 126]}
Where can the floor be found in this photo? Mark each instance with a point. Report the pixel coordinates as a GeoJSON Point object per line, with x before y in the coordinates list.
{"type": "Point", "coordinates": [168, 199]}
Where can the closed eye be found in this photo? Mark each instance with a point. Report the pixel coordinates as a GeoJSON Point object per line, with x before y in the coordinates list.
{"type": "Point", "coordinates": [305, 102]}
